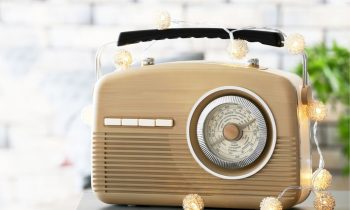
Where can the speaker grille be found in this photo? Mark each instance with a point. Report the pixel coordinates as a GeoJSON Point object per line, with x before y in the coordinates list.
{"type": "Point", "coordinates": [161, 163]}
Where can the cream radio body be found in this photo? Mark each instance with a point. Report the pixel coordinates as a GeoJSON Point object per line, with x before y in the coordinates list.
{"type": "Point", "coordinates": [233, 134]}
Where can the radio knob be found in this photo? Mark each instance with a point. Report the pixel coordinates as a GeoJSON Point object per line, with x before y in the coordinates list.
{"type": "Point", "coordinates": [147, 62]}
{"type": "Point", "coordinates": [254, 62]}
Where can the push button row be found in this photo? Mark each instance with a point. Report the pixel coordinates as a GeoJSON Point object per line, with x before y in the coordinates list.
{"type": "Point", "coordinates": [139, 122]}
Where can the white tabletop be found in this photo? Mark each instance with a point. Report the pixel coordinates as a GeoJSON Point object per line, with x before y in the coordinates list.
{"type": "Point", "coordinates": [90, 202]}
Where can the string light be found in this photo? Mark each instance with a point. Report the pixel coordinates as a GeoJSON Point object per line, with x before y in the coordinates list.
{"type": "Point", "coordinates": [316, 111]}
{"type": "Point", "coordinates": [238, 48]}
{"type": "Point", "coordinates": [322, 179]}
{"type": "Point", "coordinates": [295, 43]}
{"type": "Point", "coordinates": [302, 111]}
{"type": "Point", "coordinates": [271, 203]}
{"type": "Point", "coordinates": [193, 202]}
{"type": "Point", "coordinates": [163, 20]}
{"type": "Point", "coordinates": [123, 58]}
{"type": "Point", "coordinates": [324, 201]}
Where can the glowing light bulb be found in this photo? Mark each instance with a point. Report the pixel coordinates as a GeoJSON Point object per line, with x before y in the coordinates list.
{"type": "Point", "coordinates": [324, 201]}
{"type": "Point", "coordinates": [193, 202]}
{"type": "Point", "coordinates": [86, 115]}
{"type": "Point", "coordinates": [322, 179]}
{"type": "Point", "coordinates": [316, 111]}
{"type": "Point", "coordinates": [270, 203]}
{"type": "Point", "coordinates": [163, 20]}
{"type": "Point", "coordinates": [302, 110]}
{"type": "Point", "coordinates": [238, 48]}
{"type": "Point", "coordinates": [295, 43]}
{"type": "Point", "coordinates": [123, 58]}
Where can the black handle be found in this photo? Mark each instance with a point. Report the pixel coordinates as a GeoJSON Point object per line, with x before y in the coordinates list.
{"type": "Point", "coordinates": [271, 38]}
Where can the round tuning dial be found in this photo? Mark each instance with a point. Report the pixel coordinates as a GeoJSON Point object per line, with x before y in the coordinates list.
{"type": "Point", "coordinates": [231, 132]}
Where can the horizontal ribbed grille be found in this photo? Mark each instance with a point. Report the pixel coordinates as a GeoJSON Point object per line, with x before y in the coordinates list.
{"type": "Point", "coordinates": [161, 163]}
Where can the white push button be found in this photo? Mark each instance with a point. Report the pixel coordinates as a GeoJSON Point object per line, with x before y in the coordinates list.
{"type": "Point", "coordinates": [129, 122]}
{"type": "Point", "coordinates": [147, 122]}
{"type": "Point", "coordinates": [164, 122]}
{"type": "Point", "coordinates": [112, 121]}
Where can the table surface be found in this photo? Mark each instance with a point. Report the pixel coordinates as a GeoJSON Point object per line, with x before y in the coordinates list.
{"type": "Point", "coordinates": [90, 202]}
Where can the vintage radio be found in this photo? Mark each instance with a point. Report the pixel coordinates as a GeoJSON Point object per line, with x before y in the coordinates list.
{"type": "Point", "coordinates": [233, 134]}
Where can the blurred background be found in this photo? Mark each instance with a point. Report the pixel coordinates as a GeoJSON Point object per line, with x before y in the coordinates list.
{"type": "Point", "coordinates": [47, 51]}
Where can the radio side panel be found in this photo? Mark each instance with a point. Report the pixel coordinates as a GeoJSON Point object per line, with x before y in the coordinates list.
{"type": "Point", "coordinates": [304, 136]}
{"type": "Point", "coordinates": [153, 165]}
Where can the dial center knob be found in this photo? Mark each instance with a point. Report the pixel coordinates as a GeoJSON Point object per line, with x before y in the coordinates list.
{"type": "Point", "coordinates": [231, 132]}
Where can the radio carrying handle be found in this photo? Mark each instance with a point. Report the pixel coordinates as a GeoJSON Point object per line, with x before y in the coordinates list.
{"type": "Point", "coordinates": [266, 37]}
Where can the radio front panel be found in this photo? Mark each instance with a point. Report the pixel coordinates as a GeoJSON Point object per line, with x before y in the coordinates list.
{"type": "Point", "coordinates": [149, 125]}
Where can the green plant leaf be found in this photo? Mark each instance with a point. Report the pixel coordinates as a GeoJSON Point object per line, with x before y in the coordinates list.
{"type": "Point", "coordinates": [332, 79]}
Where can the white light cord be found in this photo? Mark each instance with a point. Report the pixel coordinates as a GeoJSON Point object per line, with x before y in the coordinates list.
{"type": "Point", "coordinates": [321, 161]}
{"type": "Point", "coordinates": [319, 169]}
{"type": "Point", "coordinates": [146, 49]}
{"type": "Point", "coordinates": [98, 58]}
{"type": "Point", "coordinates": [292, 188]}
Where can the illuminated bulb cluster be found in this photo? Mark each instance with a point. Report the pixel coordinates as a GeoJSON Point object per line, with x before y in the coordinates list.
{"type": "Point", "coordinates": [270, 203]}
{"type": "Point", "coordinates": [238, 48]}
{"type": "Point", "coordinates": [322, 180]}
{"type": "Point", "coordinates": [163, 20]}
{"type": "Point", "coordinates": [193, 202]}
{"type": "Point", "coordinates": [303, 111]}
{"type": "Point", "coordinates": [295, 43]}
{"type": "Point", "coordinates": [123, 58]}
{"type": "Point", "coordinates": [316, 111]}
{"type": "Point", "coordinates": [324, 201]}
